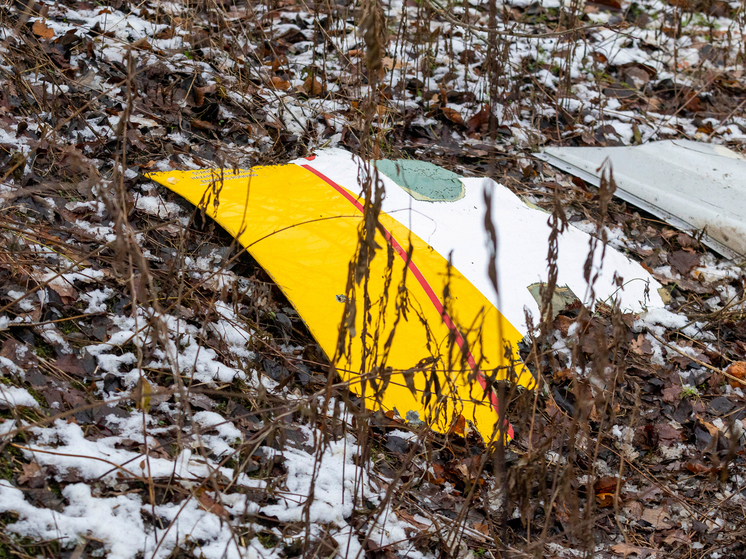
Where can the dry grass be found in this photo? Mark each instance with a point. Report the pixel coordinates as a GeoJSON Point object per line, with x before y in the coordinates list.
{"type": "Point", "coordinates": [565, 483]}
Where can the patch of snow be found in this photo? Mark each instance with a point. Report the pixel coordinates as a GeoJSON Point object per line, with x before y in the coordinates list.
{"type": "Point", "coordinates": [12, 396]}
{"type": "Point", "coordinates": [96, 299]}
{"type": "Point", "coordinates": [25, 303]}
{"type": "Point", "coordinates": [658, 319]}
{"type": "Point", "coordinates": [156, 206]}
{"type": "Point", "coordinates": [334, 480]}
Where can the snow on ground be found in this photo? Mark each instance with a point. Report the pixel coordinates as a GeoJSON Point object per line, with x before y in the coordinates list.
{"type": "Point", "coordinates": [151, 412]}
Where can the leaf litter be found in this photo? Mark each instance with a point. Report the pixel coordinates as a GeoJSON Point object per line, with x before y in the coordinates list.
{"type": "Point", "coordinates": [632, 446]}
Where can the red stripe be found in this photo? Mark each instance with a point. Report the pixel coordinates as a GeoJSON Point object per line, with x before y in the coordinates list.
{"type": "Point", "coordinates": [425, 285]}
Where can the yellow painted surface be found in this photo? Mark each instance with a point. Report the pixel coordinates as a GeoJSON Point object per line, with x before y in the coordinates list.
{"type": "Point", "coordinates": [304, 233]}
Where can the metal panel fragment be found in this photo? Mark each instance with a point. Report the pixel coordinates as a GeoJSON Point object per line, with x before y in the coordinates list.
{"type": "Point", "coordinates": [691, 185]}
{"type": "Point", "coordinates": [430, 335]}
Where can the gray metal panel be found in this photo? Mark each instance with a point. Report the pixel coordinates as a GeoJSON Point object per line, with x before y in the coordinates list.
{"type": "Point", "coordinates": [691, 185]}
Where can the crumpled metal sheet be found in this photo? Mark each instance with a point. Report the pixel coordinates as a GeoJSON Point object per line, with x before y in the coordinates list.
{"type": "Point", "coordinates": [691, 185]}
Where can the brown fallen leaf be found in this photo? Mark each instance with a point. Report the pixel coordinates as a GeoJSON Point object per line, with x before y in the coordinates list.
{"type": "Point", "coordinates": [696, 467]}
{"type": "Point", "coordinates": [382, 111]}
{"type": "Point", "coordinates": [677, 536]}
{"type": "Point", "coordinates": [641, 346]}
{"type": "Point", "coordinates": [605, 490]}
{"type": "Point", "coordinates": [329, 119]}
{"type": "Point", "coordinates": [33, 316]}
{"type": "Point", "coordinates": [19, 353]}
{"type": "Point", "coordinates": [711, 429]}
{"type": "Point", "coordinates": [564, 374]}
{"type": "Point", "coordinates": [201, 401]}
{"type": "Point", "coordinates": [463, 469]}
{"type": "Point", "coordinates": [599, 57]}
{"type": "Point", "coordinates": [672, 394]}
{"type": "Point", "coordinates": [71, 364]}
{"type": "Point", "coordinates": [41, 30]}
{"type": "Point", "coordinates": [31, 475]}
{"type": "Point", "coordinates": [630, 318]}
{"type": "Point", "coordinates": [738, 370]}
{"type": "Point", "coordinates": [459, 426]}
{"type": "Point", "coordinates": [604, 500]}
{"type": "Point", "coordinates": [634, 509]}
{"type": "Point", "coordinates": [74, 398]}
{"type": "Point", "coordinates": [279, 83]}
{"type": "Point", "coordinates": [693, 103]}
{"type": "Point", "coordinates": [292, 36]}
{"type": "Point", "coordinates": [437, 477]}
{"type": "Point", "coordinates": [636, 77]}
{"type": "Point", "coordinates": [687, 241]}
{"type": "Point", "coordinates": [563, 323]}
{"type": "Point", "coordinates": [65, 289]}
{"type": "Point", "coordinates": [166, 33]}
{"type": "Point", "coordinates": [683, 261]}
{"type": "Point", "coordinates": [313, 86]}
{"type": "Point", "coordinates": [482, 528]}
{"type": "Point", "coordinates": [731, 85]}
{"type": "Point", "coordinates": [562, 513]}
{"type": "Point", "coordinates": [159, 395]}
{"type": "Point", "coordinates": [141, 44]}
{"type": "Point", "coordinates": [453, 115]}
{"type": "Point", "coordinates": [478, 120]}
{"type": "Point", "coordinates": [200, 92]}
{"type": "Point", "coordinates": [657, 517]}
{"type": "Point", "coordinates": [389, 63]}
{"type": "Point", "coordinates": [625, 549]}
{"type": "Point", "coordinates": [206, 502]}
{"type": "Point", "coordinates": [202, 125]}
{"type": "Point", "coordinates": [409, 519]}
{"type": "Point", "coordinates": [667, 434]}
{"type": "Point", "coordinates": [614, 4]}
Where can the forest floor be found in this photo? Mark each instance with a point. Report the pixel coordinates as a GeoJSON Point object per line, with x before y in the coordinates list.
{"type": "Point", "coordinates": [158, 395]}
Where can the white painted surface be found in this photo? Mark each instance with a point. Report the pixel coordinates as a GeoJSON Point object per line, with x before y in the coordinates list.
{"type": "Point", "coordinates": [457, 228]}
{"type": "Point", "coordinates": [691, 185]}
